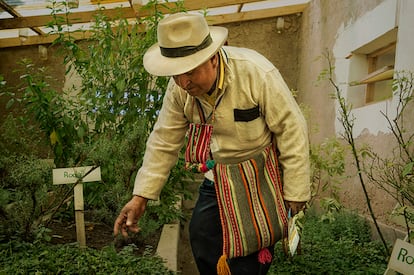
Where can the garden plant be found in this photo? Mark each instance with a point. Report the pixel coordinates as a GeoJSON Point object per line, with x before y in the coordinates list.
{"type": "Point", "coordinates": [339, 245]}
{"type": "Point", "coordinates": [104, 121]}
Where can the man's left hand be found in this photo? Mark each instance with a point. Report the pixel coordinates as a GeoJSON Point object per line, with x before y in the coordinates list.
{"type": "Point", "coordinates": [295, 206]}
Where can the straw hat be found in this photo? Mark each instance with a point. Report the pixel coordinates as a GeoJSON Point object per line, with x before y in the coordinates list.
{"type": "Point", "coordinates": [185, 41]}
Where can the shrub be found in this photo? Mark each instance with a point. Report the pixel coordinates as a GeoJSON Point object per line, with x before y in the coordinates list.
{"type": "Point", "coordinates": [27, 258]}
{"type": "Point", "coordinates": [341, 246]}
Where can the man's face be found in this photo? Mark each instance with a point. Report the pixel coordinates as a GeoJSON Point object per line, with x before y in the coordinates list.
{"type": "Point", "coordinates": [199, 80]}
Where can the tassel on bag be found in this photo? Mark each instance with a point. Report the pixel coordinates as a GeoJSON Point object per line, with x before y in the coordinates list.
{"type": "Point", "coordinates": [222, 266]}
{"type": "Point", "coordinates": [264, 256]}
{"type": "Point", "coordinates": [199, 167]}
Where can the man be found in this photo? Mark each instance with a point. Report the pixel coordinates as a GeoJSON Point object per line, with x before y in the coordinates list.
{"type": "Point", "coordinates": [236, 102]}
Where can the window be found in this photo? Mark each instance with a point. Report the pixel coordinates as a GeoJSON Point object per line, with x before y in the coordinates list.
{"type": "Point", "coordinates": [366, 51]}
{"type": "Point", "coordinates": [372, 71]}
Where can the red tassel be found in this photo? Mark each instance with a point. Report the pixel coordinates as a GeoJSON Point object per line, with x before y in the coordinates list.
{"type": "Point", "coordinates": [203, 168]}
{"type": "Point", "coordinates": [222, 266]}
{"type": "Point", "coordinates": [264, 256]}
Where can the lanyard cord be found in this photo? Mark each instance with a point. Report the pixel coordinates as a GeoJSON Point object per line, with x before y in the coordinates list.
{"type": "Point", "coordinates": [201, 112]}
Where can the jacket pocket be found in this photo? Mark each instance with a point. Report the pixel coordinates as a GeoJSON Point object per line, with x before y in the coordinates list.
{"type": "Point", "coordinates": [247, 114]}
{"type": "Point", "coordinates": [249, 124]}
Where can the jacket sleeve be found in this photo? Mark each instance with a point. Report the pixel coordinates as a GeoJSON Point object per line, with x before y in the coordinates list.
{"type": "Point", "coordinates": [287, 123]}
{"type": "Point", "coordinates": [163, 145]}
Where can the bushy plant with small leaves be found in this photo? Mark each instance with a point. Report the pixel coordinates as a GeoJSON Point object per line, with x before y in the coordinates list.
{"type": "Point", "coordinates": [27, 258]}
{"type": "Point", "coordinates": [340, 246]}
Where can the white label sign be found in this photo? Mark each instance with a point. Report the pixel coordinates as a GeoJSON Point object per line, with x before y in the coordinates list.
{"type": "Point", "coordinates": [402, 257]}
{"type": "Point", "coordinates": [71, 175]}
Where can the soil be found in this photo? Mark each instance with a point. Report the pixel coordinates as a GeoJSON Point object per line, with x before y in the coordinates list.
{"type": "Point", "coordinates": [99, 235]}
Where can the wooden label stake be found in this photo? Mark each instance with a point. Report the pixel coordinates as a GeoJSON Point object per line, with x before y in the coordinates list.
{"type": "Point", "coordinates": [78, 175]}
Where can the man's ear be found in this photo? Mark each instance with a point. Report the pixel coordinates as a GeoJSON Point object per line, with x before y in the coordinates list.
{"type": "Point", "coordinates": [214, 60]}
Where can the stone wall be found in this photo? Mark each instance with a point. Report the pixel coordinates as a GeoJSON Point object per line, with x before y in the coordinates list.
{"type": "Point", "coordinates": [322, 23]}
{"type": "Point", "coordinates": [279, 46]}
{"type": "Point", "coordinates": [11, 70]}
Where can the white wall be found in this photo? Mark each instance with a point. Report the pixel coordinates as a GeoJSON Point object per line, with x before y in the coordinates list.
{"type": "Point", "coordinates": [405, 42]}
{"type": "Point", "coordinates": [375, 23]}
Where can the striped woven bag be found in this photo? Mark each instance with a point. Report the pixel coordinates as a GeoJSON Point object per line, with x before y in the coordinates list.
{"type": "Point", "coordinates": [198, 157]}
{"type": "Point", "coordinates": [198, 145]}
{"type": "Point", "coordinates": [252, 211]}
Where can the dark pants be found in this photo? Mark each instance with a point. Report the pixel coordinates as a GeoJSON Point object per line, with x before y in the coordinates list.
{"type": "Point", "coordinates": [207, 240]}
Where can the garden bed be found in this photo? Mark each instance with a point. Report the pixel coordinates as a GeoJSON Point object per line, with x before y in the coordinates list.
{"type": "Point", "coordinates": [99, 235]}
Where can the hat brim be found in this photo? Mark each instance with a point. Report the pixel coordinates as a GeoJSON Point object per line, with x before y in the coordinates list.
{"type": "Point", "coordinates": [157, 64]}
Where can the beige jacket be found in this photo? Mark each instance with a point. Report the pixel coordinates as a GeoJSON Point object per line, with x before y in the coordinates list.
{"type": "Point", "coordinates": [251, 85]}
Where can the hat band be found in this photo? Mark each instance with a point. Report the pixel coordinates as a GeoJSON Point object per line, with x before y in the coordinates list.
{"type": "Point", "coordinates": [186, 50]}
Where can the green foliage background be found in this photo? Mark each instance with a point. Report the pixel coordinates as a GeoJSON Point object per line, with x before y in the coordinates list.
{"type": "Point", "coordinates": [105, 121]}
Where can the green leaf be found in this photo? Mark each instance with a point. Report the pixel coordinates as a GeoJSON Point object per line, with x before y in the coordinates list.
{"type": "Point", "coordinates": [120, 85]}
{"type": "Point", "coordinates": [10, 103]}
{"type": "Point", "coordinates": [408, 169]}
{"type": "Point", "coordinates": [53, 137]}
{"type": "Point", "coordinates": [81, 132]}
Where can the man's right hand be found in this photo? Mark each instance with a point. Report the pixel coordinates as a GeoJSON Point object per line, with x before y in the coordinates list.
{"type": "Point", "coordinates": [129, 216]}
